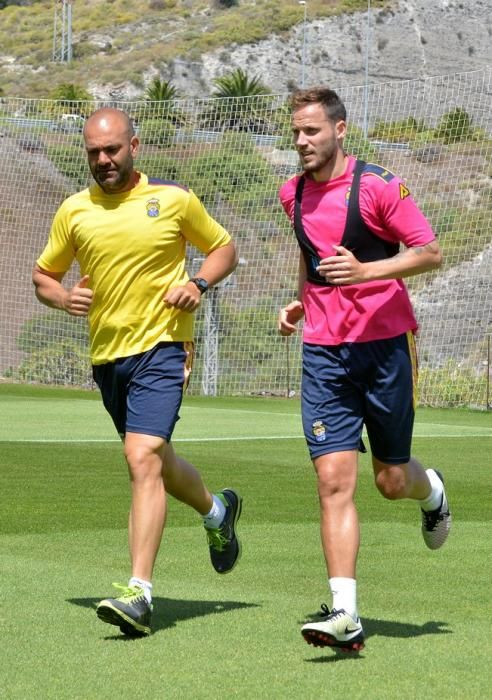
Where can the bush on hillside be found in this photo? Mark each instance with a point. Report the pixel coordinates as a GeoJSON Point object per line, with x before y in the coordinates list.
{"type": "Point", "coordinates": [156, 132]}
{"type": "Point", "coordinates": [455, 126]}
{"type": "Point", "coordinates": [71, 162]}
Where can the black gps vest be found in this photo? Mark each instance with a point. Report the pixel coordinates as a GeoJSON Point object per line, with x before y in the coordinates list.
{"type": "Point", "coordinates": [357, 237]}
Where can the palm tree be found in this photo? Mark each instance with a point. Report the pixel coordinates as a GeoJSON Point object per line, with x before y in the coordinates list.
{"type": "Point", "coordinates": [157, 118]}
{"type": "Point", "coordinates": [240, 103]}
{"type": "Point", "coordinates": [238, 84]}
{"type": "Point", "coordinates": [70, 96]}
{"type": "Point", "coordinates": [160, 91]}
{"type": "Point", "coordinates": [163, 111]}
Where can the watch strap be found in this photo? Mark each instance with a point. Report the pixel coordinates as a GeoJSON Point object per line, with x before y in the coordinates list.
{"type": "Point", "coordinates": [200, 283]}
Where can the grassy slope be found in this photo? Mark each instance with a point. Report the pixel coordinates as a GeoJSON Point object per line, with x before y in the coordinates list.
{"type": "Point", "coordinates": [153, 37]}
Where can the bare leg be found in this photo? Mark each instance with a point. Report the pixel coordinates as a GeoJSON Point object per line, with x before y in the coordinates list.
{"type": "Point", "coordinates": [340, 537]}
{"type": "Point", "coordinates": [155, 470]}
{"type": "Point", "coordinates": [144, 455]}
{"type": "Point", "coordinates": [396, 481]}
{"type": "Point", "coordinates": [184, 482]}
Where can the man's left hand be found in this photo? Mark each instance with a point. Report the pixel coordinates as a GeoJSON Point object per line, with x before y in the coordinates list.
{"type": "Point", "coordinates": [186, 297]}
{"type": "Point", "coordinates": [343, 268]}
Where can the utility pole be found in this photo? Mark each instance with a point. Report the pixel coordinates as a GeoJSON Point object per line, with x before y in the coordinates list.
{"type": "Point", "coordinates": [211, 344]}
{"type": "Point", "coordinates": [62, 31]}
{"type": "Point", "coordinates": [365, 127]}
{"type": "Point", "coordinates": [304, 31]}
{"type": "Point", "coordinates": [210, 302]}
{"type": "Point", "coordinates": [211, 330]}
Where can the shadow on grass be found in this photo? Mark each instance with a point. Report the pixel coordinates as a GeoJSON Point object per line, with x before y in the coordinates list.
{"type": "Point", "coordinates": [169, 611]}
{"type": "Point", "coordinates": [382, 628]}
{"type": "Point", "coordinates": [389, 628]}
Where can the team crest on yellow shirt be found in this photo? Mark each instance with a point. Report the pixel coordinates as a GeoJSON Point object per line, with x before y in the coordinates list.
{"type": "Point", "coordinates": [153, 207]}
{"type": "Point", "coordinates": [319, 431]}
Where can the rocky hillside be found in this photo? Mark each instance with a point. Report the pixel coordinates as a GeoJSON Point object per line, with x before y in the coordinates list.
{"type": "Point", "coordinates": [409, 39]}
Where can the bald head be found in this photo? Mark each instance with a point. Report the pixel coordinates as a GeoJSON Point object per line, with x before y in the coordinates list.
{"type": "Point", "coordinates": [111, 145]}
{"type": "Point", "coordinates": [109, 120]}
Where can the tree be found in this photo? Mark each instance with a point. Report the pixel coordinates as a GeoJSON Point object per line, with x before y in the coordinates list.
{"type": "Point", "coordinates": [71, 95]}
{"type": "Point", "coordinates": [238, 84]}
{"type": "Point", "coordinates": [160, 90]}
{"type": "Point", "coordinates": [163, 92]}
{"type": "Point", "coordinates": [243, 105]}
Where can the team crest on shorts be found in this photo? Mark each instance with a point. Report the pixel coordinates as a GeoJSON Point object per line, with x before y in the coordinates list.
{"type": "Point", "coordinates": [319, 431]}
{"type": "Point", "coordinates": [153, 207]}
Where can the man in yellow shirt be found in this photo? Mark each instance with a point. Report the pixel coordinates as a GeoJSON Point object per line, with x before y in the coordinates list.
{"type": "Point", "coordinates": [129, 233]}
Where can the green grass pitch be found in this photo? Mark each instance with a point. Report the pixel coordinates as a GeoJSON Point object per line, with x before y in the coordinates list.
{"type": "Point", "coordinates": [63, 508]}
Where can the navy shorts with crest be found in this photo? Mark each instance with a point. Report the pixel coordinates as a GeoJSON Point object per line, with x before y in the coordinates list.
{"type": "Point", "coordinates": [345, 387]}
{"type": "Point", "coordinates": [143, 392]}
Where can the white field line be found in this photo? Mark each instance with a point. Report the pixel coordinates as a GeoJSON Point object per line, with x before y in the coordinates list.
{"type": "Point", "coordinates": [233, 438]}
{"type": "Point", "coordinates": [430, 430]}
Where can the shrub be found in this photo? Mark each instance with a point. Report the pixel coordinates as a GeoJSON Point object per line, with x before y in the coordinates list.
{"type": "Point", "coordinates": [70, 161]}
{"type": "Point", "coordinates": [38, 332]}
{"type": "Point", "coordinates": [455, 126]}
{"type": "Point", "coordinates": [356, 143]}
{"type": "Point", "coordinates": [56, 351]}
{"type": "Point", "coordinates": [451, 385]}
{"type": "Point", "coordinates": [62, 363]}
{"type": "Point", "coordinates": [399, 131]}
{"type": "Point", "coordinates": [157, 132]}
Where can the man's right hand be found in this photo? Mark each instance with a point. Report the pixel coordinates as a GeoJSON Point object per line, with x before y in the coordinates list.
{"type": "Point", "coordinates": [79, 299]}
{"type": "Point", "coordinates": [289, 316]}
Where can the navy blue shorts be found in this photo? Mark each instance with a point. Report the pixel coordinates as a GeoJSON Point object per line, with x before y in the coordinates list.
{"type": "Point", "coordinates": [143, 393]}
{"type": "Point", "coordinates": [345, 387]}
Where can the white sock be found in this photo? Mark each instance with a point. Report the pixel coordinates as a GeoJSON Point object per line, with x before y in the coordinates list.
{"type": "Point", "coordinates": [344, 595]}
{"type": "Point", "coordinates": [216, 515]}
{"type": "Point", "coordinates": [434, 499]}
{"type": "Point", "coordinates": [146, 586]}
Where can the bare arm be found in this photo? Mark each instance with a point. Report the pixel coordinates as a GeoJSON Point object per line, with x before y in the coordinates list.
{"type": "Point", "coordinates": [218, 264]}
{"type": "Point", "coordinates": [50, 291]}
{"type": "Point", "coordinates": [291, 314]}
{"type": "Point", "coordinates": [344, 268]}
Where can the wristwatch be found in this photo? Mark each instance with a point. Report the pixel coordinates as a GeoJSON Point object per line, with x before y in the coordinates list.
{"type": "Point", "coordinates": [200, 283]}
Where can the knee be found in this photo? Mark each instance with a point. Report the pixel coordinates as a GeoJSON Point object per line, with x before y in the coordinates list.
{"type": "Point", "coordinates": [390, 482]}
{"type": "Point", "coordinates": [334, 481]}
{"type": "Point", "coordinates": [143, 463]}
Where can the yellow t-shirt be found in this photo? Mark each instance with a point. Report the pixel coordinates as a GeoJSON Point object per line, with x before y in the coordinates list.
{"type": "Point", "coordinates": [132, 245]}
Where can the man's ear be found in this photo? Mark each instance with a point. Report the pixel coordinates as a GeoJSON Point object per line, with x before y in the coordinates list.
{"type": "Point", "coordinates": [341, 129]}
{"type": "Point", "coordinates": [134, 144]}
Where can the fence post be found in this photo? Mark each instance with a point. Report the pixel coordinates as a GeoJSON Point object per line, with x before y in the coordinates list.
{"type": "Point", "coordinates": [488, 403]}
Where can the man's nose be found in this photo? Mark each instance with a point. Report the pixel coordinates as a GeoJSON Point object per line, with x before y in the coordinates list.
{"type": "Point", "coordinates": [301, 139]}
{"type": "Point", "coordinates": [102, 158]}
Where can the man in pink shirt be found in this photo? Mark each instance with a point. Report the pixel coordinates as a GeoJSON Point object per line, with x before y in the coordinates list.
{"type": "Point", "coordinates": [359, 360]}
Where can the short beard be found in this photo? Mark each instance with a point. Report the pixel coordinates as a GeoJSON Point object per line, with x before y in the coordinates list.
{"type": "Point", "coordinates": [114, 186]}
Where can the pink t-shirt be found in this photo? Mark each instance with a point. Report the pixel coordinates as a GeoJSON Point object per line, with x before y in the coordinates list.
{"type": "Point", "coordinates": [370, 310]}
